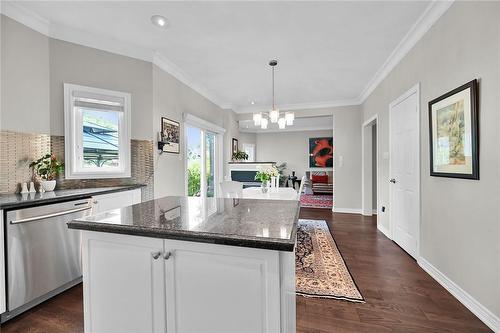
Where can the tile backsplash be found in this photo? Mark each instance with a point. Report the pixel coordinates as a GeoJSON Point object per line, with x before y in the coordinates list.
{"type": "Point", "coordinates": [17, 150]}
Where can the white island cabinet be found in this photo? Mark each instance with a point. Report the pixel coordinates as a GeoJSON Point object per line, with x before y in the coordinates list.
{"type": "Point", "coordinates": [2, 267]}
{"type": "Point", "coordinates": [177, 265]}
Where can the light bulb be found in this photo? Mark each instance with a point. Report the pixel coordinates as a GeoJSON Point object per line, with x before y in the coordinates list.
{"type": "Point", "coordinates": [263, 123]}
{"type": "Point", "coordinates": [274, 114]}
{"type": "Point", "coordinates": [257, 117]}
{"type": "Point", "coordinates": [281, 123]}
{"type": "Point", "coordinates": [290, 117]}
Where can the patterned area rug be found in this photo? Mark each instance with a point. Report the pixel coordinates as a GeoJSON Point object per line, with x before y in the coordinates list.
{"type": "Point", "coordinates": [320, 269]}
{"type": "Point", "coordinates": [316, 201]}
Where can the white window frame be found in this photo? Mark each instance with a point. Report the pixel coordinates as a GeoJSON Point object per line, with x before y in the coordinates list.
{"type": "Point", "coordinates": [73, 135]}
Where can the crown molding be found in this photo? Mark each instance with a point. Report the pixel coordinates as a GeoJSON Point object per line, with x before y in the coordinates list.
{"type": "Point", "coordinates": [430, 16]}
{"type": "Point", "coordinates": [25, 16]}
{"type": "Point", "coordinates": [300, 106]}
{"type": "Point", "coordinates": [163, 63]}
{"type": "Point", "coordinates": [287, 129]}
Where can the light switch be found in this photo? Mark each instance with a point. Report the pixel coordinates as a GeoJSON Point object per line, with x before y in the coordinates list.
{"type": "Point", "coordinates": [385, 156]}
{"type": "Point", "coordinates": [341, 161]}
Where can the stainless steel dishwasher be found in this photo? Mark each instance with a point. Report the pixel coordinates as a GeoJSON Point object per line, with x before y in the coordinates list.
{"type": "Point", "coordinates": [43, 255]}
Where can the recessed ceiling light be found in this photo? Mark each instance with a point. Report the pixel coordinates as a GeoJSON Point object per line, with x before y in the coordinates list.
{"type": "Point", "coordinates": [159, 21]}
{"type": "Point", "coordinates": [252, 102]}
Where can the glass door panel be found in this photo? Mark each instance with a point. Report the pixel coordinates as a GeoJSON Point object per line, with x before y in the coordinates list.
{"type": "Point", "coordinates": [194, 167]}
{"type": "Point", "coordinates": [210, 164]}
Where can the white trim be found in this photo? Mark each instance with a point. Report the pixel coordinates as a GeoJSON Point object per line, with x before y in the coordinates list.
{"type": "Point", "coordinates": [430, 16]}
{"type": "Point", "coordinates": [25, 16]}
{"type": "Point", "coordinates": [163, 63]}
{"type": "Point", "coordinates": [202, 123]}
{"type": "Point", "coordinates": [347, 210]}
{"type": "Point", "coordinates": [373, 119]}
{"type": "Point", "coordinates": [485, 315]}
{"type": "Point", "coordinates": [72, 171]}
{"type": "Point", "coordinates": [413, 90]}
{"type": "Point", "coordinates": [383, 230]}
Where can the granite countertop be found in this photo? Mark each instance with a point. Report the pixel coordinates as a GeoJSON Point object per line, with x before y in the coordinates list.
{"type": "Point", "coordinates": [264, 224]}
{"type": "Point", "coordinates": [17, 200]}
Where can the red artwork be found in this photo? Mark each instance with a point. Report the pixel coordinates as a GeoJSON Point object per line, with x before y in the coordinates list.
{"type": "Point", "coordinates": [321, 152]}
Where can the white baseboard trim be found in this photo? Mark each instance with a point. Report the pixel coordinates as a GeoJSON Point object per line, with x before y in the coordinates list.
{"type": "Point", "coordinates": [347, 210]}
{"type": "Point", "coordinates": [485, 315]}
{"type": "Point", "coordinates": [383, 230]}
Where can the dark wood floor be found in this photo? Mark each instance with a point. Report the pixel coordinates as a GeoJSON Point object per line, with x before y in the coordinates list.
{"type": "Point", "coordinates": [400, 297]}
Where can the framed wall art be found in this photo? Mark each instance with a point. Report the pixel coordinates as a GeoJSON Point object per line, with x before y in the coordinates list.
{"type": "Point", "coordinates": [234, 147]}
{"type": "Point", "coordinates": [321, 152]}
{"type": "Point", "coordinates": [454, 131]}
{"type": "Point", "coordinates": [170, 135]}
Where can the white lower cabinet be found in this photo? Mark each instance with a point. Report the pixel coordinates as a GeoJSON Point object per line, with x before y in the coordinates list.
{"type": "Point", "coordinates": [104, 202]}
{"type": "Point", "coordinates": [3, 296]}
{"type": "Point", "coordinates": [191, 287]}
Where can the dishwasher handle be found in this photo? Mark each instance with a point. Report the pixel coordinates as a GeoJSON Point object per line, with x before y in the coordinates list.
{"type": "Point", "coordinates": [46, 216]}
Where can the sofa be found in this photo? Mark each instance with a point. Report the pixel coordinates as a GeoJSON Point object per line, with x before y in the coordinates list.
{"type": "Point", "coordinates": [321, 182]}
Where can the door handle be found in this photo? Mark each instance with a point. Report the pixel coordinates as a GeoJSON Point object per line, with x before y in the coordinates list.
{"type": "Point", "coordinates": [392, 181]}
{"type": "Point", "coordinates": [42, 217]}
{"type": "Point", "coordinates": [156, 255]}
{"type": "Point", "coordinates": [167, 255]}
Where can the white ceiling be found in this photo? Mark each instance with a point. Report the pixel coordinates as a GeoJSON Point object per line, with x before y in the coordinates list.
{"type": "Point", "coordinates": [328, 52]}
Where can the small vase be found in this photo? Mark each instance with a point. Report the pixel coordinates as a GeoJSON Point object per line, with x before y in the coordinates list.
{"type": "Point", "coordinates": [264, 186]}
{"type": "Point", "coordinates": [48, 185]}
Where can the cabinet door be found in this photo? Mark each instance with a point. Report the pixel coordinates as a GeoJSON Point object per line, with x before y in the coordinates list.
{"type": "Point", "coordinates": [116, 200]}
{"type": "Point", "coordinates": [124, 285]}
{"type": "Point", "coordinates": [2, 267]}
{"type": "Point", "coordinates": [221, 289]}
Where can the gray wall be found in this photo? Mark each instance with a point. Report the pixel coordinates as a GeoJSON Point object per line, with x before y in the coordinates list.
{"type": "Point", "coordinates": [77, 64]}
{"type": "Point", "coordinates": [172, 98]}
{"type": "Point", "coordinates": [25, 79]}
{"type": "Point", "coordinates": [460, 228]}
{"type": "Point", "coordinates": [347, 142]}
{"type": "Point", "coordinates": [289, 147]}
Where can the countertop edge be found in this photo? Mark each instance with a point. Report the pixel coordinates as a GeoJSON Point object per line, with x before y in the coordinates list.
{"type": "Point", "coordinates": [286, 245]}
{"type": "Point", "coordinates": [99, 191]}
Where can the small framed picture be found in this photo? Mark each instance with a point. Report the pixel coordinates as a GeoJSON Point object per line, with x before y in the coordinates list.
{"type": "Point", "coordinates": [235, 146]}
{"type": "Point", "coordinates": [454, 130]}
{"type": "Point", "coordinates": [170, 135]}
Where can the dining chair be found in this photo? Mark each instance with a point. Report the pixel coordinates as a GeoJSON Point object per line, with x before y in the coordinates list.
{"type": "Point", "coordinates": [231, 189]}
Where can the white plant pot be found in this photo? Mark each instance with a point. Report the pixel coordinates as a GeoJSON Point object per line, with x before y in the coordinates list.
{"type": "Point", "coordinates": [48, 185]}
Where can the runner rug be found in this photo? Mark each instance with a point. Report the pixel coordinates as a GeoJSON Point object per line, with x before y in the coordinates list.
{"type": "Point", "coordinates": [316, 201]}
{"type": "Point", "coordinates": [320, 270]}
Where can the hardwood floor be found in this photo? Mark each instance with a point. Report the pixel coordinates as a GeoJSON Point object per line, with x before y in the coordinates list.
{"type": "Point", "coordinates": [400, 296]}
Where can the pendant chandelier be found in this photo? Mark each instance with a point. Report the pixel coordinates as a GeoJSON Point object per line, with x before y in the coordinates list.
{"type": "Point", "coordinates": [274, 116]}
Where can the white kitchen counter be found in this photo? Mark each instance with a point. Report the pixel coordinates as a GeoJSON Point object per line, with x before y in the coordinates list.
{"type": "Point", "coordinates": [280, 193]}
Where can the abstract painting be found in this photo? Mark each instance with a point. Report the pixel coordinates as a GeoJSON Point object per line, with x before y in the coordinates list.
{"type": "Point", "coordinates": [321, 152]}
{"type": "Point", "coordinates": [453, 122]}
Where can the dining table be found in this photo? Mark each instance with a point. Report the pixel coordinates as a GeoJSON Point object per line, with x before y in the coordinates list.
{"type": "Point", "coordinates": [273, 193]}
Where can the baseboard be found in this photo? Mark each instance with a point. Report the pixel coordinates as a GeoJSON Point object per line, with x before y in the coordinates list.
{"type": "Point", "coordinates": [485, 315]}
{"type": "Point", "coordinates": [383, 230]}
{"type": "Point", "coordinates": [347, 210]}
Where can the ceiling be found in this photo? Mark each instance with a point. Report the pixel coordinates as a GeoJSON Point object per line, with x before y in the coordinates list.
{"type": "Point", "coordinates": [317, 123]}
{"type": "Point", "coordinates": [328, 52]}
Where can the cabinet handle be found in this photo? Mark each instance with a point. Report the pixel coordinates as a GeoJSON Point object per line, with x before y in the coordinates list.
{"type": "Point", "coordinates": [156, 255]}
{"type": "Point", "coordinates": [167, 255]}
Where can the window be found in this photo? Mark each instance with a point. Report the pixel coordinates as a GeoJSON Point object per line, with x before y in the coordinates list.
{"type": "Point", "coordinates": [97, 132]}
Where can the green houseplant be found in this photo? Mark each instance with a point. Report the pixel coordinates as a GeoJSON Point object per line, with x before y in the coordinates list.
{"type": "Point", "coordinates": [47, 168]}
{"type": "Point", "coordinates": [240, 156]}
{"type": "Point", "coordinates": [264, 175]}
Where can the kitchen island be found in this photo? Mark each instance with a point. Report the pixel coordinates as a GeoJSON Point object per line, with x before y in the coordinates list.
{"type": "Point", "coordinates": [179, 264]}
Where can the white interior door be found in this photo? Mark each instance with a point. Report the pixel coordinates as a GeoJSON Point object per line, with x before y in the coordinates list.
{"type": "Point", "coordinates": [405, 171]}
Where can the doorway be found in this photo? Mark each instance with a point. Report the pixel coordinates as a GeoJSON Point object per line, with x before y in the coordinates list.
{"type": "Point", "coordinates": [369, 177]}
{"type": "Point", "coordinates": [201, 164]}
{"type": "Point", "coordinates": [404, 170]}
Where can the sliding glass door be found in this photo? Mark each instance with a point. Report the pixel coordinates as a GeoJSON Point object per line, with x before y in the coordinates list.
{"type": "Point", "coordinates": [201, 164]}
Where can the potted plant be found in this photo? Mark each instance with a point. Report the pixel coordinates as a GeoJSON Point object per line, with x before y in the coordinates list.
{"type": "Point", "coordinates": [47, 168]}
{"type": "Point", "coordinates": [264, 175]}
{"type": "Point", "coordinates": [240, 156]}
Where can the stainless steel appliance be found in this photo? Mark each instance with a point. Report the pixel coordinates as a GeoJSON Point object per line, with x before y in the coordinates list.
{"type": "Point", "coordinates": [43, 256]}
